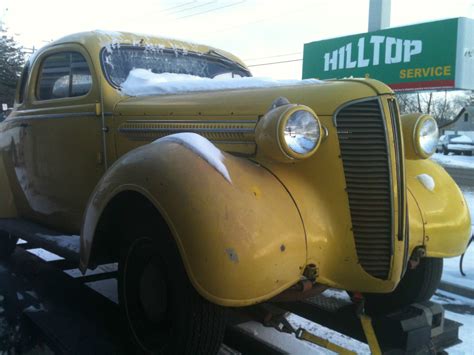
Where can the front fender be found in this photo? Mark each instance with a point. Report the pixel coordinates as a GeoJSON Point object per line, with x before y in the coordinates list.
{"type": "Point", "coordinates": [240, 236]}
{"type": "Point", "coordinates": [444, 212]}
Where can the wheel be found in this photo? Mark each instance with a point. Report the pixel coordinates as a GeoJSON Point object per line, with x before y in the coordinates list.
{"type": "Point", "coordinates": [469, 153]}
{"type": "Point", "coordinates": [417, 285]}
{"type": "Point", "coordinates": [7, 244]}
{"type": "Point", "coordinates": [445, 150]}
{"type": "Point", "coordinates": [163, 313]}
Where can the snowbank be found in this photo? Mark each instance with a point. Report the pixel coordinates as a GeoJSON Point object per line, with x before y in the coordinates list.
{"type": "Point", "coordinates": [141, 82]}
{"type": "Point", "coordinates": [451, 272]}
{"type": "Point", "coordinates": [454, 161]}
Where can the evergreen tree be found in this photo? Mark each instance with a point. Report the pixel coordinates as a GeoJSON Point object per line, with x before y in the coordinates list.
{"type": "Point", "coordinates": [11, 64]}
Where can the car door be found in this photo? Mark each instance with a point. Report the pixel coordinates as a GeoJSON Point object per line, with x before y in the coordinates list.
{"type": "Point", "coordinates": [62, 140]}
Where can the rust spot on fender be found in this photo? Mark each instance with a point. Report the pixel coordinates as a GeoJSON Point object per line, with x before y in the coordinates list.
{"type": "Point", "coordinates": [232, 255]}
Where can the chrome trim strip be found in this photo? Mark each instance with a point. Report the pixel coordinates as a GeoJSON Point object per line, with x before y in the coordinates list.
{"type": "Point", "coordinates": [171, 129]}
{"type": "Point", "coordinates": [397, 132]}
{"type": "Point", "coordinates": [194, 121]}
{"type": "Point", "coordinates": [48, 116]}
{"type": "Point", "coordinates": [230, 142]}
{"type": "Point", "coordinates": [146, 139]}
{"type": "Point", "coordinates": [390, 169]}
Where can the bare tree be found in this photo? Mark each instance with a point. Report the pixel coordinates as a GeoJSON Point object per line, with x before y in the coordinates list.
{"type": "Point", "coordinates": [443, 106]}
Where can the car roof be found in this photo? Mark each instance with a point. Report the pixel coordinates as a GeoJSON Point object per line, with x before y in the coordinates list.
{"type": "Point", "coordinates": [98, 39]}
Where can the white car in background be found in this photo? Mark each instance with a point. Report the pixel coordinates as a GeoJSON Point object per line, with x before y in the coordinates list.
{"type": "Point", "coordinates": [460, 145]}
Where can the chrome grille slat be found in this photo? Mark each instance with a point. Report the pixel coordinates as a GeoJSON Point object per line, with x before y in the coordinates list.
{"type": "Point", "coordinates": [365, 157]}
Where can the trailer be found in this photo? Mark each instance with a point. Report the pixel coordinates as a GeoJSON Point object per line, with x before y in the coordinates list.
{"type": "Point", "coordinates": [48, 305]}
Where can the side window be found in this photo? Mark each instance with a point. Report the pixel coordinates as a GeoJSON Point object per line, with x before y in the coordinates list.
{"type": "Point", "coordinates": [64, 75]}
{"type": "Point", "coordinates": [24, 78]}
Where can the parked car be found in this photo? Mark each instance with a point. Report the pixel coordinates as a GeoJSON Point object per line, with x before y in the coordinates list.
{"type": "Point", "coordinates": [213, 189]}
{"type": "Point", "coordinates": [456, 144]}
{"type": "Point", "coordinates": [459, 145]}
{"type": "Point", "coordinates": [443, 141]}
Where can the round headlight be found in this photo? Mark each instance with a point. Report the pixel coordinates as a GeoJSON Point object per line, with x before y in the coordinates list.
{"type": "Point", "coordinates": [427, 136]}
{"type": "Point", "coordinates": [288, 133]}
{"type": "Point", "coordinates": [301, 132]}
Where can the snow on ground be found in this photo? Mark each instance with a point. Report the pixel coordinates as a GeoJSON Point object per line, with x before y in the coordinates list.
{"type": "Point", "coordinates": [466, 333]}
{"type": "Point", "coordinates": [457, 308]}
{"type": "Point", "coordinates": [143, 82]}
{"type": "Point", "coordinates": [98, 270]}
{"type": "Point", "coordinates": [70, 242]}
{"type": "Point", "coordinates": [44, 254]}
{"type": "Point", "coordinates": [291, 345]}
{"type": "Point", "coordinates": [454, 161]}
{"type": "Point", "coordinates": [451, 272]}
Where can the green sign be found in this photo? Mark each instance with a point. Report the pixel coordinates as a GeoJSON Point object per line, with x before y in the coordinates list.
{"type": "Point", "coordinates": [420, 56]}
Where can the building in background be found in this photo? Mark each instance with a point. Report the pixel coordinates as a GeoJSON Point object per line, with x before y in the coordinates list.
{"type": "Point", "coordinates": [463, 123]}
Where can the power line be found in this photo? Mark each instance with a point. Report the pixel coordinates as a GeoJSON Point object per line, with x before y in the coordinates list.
{"type": "Point", "coordinates": [192, 7]}
{"type": "Point", "coordinates": [176, 6]}
{"type": "Point", "coordinates": [212, 10]}
{"type": "Point", "coordinates": [272, 63]}
{"type": "Point", "coordinates": [272, 56]}
{"type": "Point", "coordinates": [246, 24]}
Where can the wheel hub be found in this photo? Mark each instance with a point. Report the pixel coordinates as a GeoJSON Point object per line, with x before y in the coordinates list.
{"type": "Point", "coordinates": [152, 291]}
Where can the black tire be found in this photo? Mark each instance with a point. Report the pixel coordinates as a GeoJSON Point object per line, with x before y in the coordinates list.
{"type": "Point", "coordinates": [445, 150]}
{"type": "Point", "coordinates": [469, 153]}
{"type": "Point", "coordinates": [417, 285]}
{"type": "Point", "coordinates": [170, 317]}
{"type": "Point", "coordinates": [7, 244]}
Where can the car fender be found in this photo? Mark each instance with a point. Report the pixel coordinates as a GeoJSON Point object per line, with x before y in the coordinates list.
{"type": "Point", "coordinates": [442, 208]}
{"type": "Point", "coordinates": [239, 233]}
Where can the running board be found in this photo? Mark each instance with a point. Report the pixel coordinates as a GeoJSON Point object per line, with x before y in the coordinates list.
{"type": "Point", "coordinates": [66, 246]}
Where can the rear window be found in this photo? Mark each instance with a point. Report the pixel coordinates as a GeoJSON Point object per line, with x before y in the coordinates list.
{"type": "Point", "coordinates": [64, 75]}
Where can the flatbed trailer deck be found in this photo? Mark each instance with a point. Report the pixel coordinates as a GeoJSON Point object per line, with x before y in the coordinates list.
{"type": "Point", "coordinates": [45, 305]}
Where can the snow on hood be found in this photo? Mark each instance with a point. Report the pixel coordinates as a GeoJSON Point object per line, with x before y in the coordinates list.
{"type": "Point", "coordinates": [141, 82]}
{"type": "Point", "coordinates": [202, 147]}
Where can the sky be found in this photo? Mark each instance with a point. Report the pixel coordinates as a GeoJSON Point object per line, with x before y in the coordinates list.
{"type": "Point", "coordinates": [257, 31]}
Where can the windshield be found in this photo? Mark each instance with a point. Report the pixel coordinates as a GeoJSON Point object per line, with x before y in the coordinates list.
{"type": "Point", "coordinates": [119, 61]}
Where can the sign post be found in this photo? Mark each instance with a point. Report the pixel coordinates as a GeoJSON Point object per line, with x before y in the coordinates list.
{"type": "Point", "coordinates": [429, 56]}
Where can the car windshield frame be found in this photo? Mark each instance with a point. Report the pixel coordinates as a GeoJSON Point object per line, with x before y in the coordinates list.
{"type": "Point", "coordinates": [211, 56]}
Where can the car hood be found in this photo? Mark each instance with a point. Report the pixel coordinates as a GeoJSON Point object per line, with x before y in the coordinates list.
{"type": "Point", "coordinates": [324, 98]}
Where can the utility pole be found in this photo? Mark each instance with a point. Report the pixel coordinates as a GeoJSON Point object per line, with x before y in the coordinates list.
{"type": "Point", "coordinates": [379, 14]}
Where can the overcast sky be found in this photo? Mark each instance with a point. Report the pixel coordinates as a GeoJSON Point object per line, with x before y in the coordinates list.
{"type": "Point", "coordinates": [258, 31]}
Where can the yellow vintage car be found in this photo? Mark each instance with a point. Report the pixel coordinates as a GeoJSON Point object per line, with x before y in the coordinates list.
{"type": "Point", "coordinates": [214, 189]}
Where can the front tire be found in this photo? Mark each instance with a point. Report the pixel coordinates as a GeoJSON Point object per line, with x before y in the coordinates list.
{"type": "Point", "coordinates": [417, 285]}
{"type": "Point", "coordinates": [163, 312]}
{"type": "Point", "coordinates": [7, 245]}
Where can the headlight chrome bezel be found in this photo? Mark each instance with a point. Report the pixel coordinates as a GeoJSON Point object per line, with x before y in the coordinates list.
{"type": "Point", "coordinates": [420, 151]}
{"type": "Point", "coordinates": [285, 117]}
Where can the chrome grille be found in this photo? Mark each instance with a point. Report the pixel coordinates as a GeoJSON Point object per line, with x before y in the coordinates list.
{"type": "Point", "coordinates": [365, 156]}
